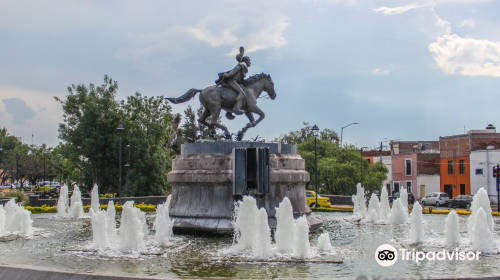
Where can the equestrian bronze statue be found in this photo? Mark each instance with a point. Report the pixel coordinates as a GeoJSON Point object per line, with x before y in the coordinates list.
{"type": "Point", "coordinates": [233, 94]}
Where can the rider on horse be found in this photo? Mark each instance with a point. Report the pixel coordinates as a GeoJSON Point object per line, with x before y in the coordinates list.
{"type": "Point", "coordinates": [234, 79]}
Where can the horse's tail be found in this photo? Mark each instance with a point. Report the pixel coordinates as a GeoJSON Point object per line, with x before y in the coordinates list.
{"type": "Point", "coordinates": [185, 97]}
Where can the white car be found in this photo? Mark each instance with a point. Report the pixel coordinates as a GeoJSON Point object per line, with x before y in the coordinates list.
{"type": "Point", "coordinates": [435, 198]}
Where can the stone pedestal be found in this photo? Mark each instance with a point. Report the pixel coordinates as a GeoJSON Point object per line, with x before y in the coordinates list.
{"type": "Point", "coordinates": [202, 189]}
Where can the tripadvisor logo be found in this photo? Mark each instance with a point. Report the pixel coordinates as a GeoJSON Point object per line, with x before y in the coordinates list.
{"type": "Point", "coordinates": [387, 255]}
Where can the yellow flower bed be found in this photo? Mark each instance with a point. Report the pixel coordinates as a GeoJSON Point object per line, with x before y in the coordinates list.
{"type": "Point", "coordinates": [42, 209]}
{"type": "Point", "coordinates": [118, 207]}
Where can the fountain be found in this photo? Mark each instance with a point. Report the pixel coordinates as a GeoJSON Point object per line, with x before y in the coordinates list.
{"type": "Point", "coordinates": [94, 202]}
{"type": "Point", "coordinates": [62, 203]}
{"type": "Point", "coordinates": [404, 198]}
{"type": "Point", "coordinates": [70, 245]}
{"type": "Point", "coordinates": [14, 218]}
{"type": "Point", "coordinates": [399, 214]}
{"type": "Point", "coordinates": [76, 208]}
{"type": "Point", "coordinates": [385, 208]}
{"type": "Point", "coordinates": [163, 224]}
{"type": "Point", "coordinates": [359, 202]}
{"type": "Point", "coordinates": [131, 228]}
{"type": "Point", "coordinates": [324, 244]}
{"type": "Point", "coordinates": [416, 224]}
{"type": "Point", "coordinates": [374, 209]}
{"type": "Point", "coordinates": [285, 228]}
{"type": "Point", "coordinates": [261, 247]}
{"type": "Point", "coordinates": [2, 219]}
{"type": "Point", "coordinates": [111, 215]}
{"type": "Point", "coordinates": [302, 247]}
{"type": "Point", "coordinates": [99, 222]}
{"type": "Point", "coordinates": [480, 200]}
{"type": "Point", "coordinates": [482, 236]}
{"type": "Point", "coordinates": [452, 231]}
{"type": "Point", "coordinates": [244, 223]}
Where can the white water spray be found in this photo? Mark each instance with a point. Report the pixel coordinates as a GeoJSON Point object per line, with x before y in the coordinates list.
{"type": "Point", "coordinates": [374, 209]}
{"type": "Point", "coordinates": [76, 208]}
{"type": "Point", "coordinates": [404, 198]}
{"type": "Point", "coordinates": [2, 219]}
{"type": "Point", "coordinates": [359, 202]}
{"type": "Point", "coordinates": [482, 238]}
{"type": "Point", "coordinates": [324, 244]}
{"type": "Point", "coordinates": [262, 243]}
{"type": "Point", "coordinates": [16, 218]}
{"type": "Point", "coordinates": [302, 247]}
{"type": "Point", "coordinates": [244, 224]}
{"type": "Point", "coordinates": [385, 209]}
{"type": "Point", "coordinates": [480, 200]}
{"type": "Point", "coordinates": [163, 224]}
{"type": "Point", "coordinates": [398, 213]}
{"type": "Point", "coordinates": [416, 224]}
{"type": "Point", "coordinates": [451, 229]}
{"type": "Point", "coordinates": [131, 228]}
{"type": "Point", "coordinates": [62, 202]}
{"type": "Point", "coordinates": [111, 215]}
{"type": "Point", "coordinates": [94, 201]}
{"type": "Point", "coordinates": [285, 228]}
{"type": "Point", "coordinates": [99, 222]}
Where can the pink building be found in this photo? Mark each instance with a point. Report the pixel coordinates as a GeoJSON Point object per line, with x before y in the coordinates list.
{"type": "Point", "coordinates": [415, 166]}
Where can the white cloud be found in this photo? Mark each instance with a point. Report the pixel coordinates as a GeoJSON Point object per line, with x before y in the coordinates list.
{"type": "Point", "coordinates": [445, 25]}
{"type": "Point", "coordinates": [267, 35]}
{"type": "Point", "coordinates": [397, 10]}
{"type": "Point", "coordinates": [379, 71]}
{"type": "Point", "coordinates": [154, 51]}
{"type": "Point", "coordinates": [467, 56]}
{"type": "Point", "coordinates": [467, 23]}
{"type": "Point", "coordinates": [43, 125]}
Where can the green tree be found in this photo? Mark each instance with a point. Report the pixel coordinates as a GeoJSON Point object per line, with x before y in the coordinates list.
{"type": "Point", "coordinates": [339, 168]}
{"type": "Point", "coordinates": [305, 133]}
{"type": "Point", "coordinates": [91, 116]}
{"type": "Point", "coordinates": [148, 131]}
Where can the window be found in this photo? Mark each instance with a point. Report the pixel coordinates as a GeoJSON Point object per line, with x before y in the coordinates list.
{"type": "Point", "coordinates": [462, 166]}
{"type": "Point", "coordinates": [479, 171]}
{"type": "Point", "coordinates": [462, 188]}
{"type": "Point", "coordinates": [450, 167]}
{"type": "Point", "coordinates": [408, 167]}
{"type": "Point", "coordinates": [396, 187]}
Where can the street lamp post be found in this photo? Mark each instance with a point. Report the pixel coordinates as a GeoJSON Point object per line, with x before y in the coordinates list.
{"type": "Point", "coordinates": [43, 180]}
{"type": "Point", "coordinates": [315, 131]}
{"type": "Point", "coordinates": [128, 170]}
{"type": "Point", "coordinates": [342, 131]}
{"type": "Point", "coordinates": [361, 164]}
{"type": "Point", "coordinates": [17, 167]}
{"type": "Point", "coordinates": [120, 129]}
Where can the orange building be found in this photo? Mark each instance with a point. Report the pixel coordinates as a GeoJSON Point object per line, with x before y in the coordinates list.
{"type": "Point", "coordinates": [455, 158]}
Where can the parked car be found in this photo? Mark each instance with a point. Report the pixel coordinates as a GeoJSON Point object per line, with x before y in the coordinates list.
{"type": "Point", "coordinates": [435, 198]}
{"type": "Point", "coordinates": [461, 201]}
{"type": "Point", "coordinates": [311, 200]}
{"type": "Point", "coordinates": [396, 195]}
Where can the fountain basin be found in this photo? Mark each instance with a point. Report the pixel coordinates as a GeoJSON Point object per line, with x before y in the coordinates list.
{"type": "Point", "coordinates": [64, 245]}
{"type": "Point", "coordinates": [202, 186]}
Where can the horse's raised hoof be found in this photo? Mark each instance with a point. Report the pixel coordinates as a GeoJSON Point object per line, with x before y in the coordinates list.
{"type": "Point", "coordinates": [230, 116]}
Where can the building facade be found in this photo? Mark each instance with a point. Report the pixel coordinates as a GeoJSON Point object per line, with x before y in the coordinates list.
{"type": "Point", "coordinates": [415, 166]}
{"type": "Point", "coordinates": [466, 160]}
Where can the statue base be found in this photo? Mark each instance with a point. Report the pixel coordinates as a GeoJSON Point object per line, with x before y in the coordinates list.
{"type": "Point", "coordinates": [202, 187]}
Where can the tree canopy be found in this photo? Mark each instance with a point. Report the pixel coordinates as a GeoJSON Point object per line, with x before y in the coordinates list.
{"type": "Point", "coordinates": [339, 168]}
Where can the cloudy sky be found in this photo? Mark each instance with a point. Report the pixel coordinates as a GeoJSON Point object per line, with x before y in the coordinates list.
{"type": "Point", "coordinates": [409, 70]}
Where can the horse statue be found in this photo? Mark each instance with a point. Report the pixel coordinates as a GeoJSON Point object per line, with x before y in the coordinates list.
{"type": "Point", "coordinates": [214, 98]}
